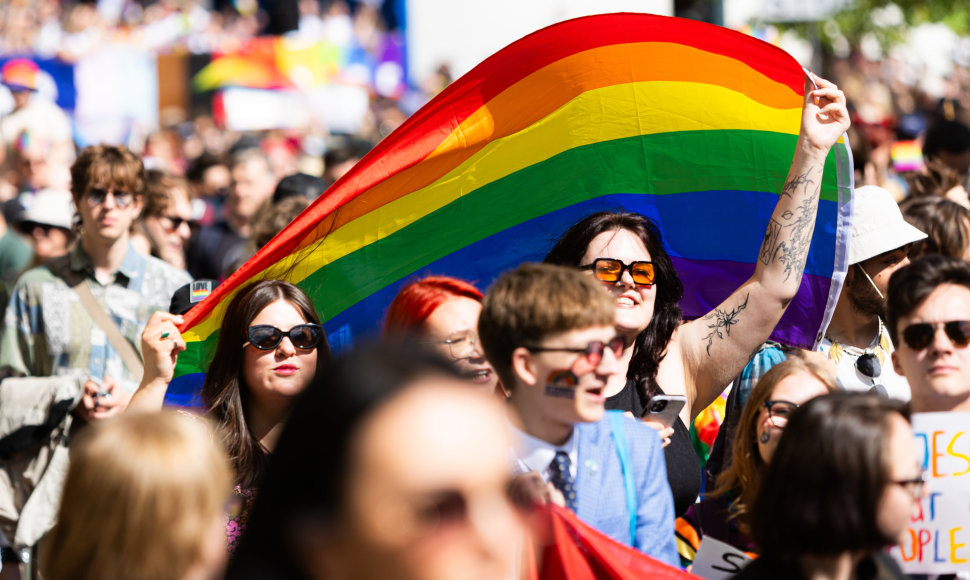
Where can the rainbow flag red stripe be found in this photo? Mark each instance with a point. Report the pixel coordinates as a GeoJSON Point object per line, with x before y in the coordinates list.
{"type": "Point", "coordinates": [689, 123]}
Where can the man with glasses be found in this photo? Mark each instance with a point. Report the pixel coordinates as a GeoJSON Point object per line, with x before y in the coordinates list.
{"type": "Point", "coordinates": [857, 339]}
{"type": "Point", "coordinates": [49, 331]}
{"type": "Point", "coordinates": [548, 333]}
{"type": "Point", "coordinates": [929, 321]}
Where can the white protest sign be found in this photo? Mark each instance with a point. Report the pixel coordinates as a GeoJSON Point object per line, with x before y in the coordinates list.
{"type": "Point", "coordinates": [938, 538]}
{"type": "Point", "coordinates": [716, 560]}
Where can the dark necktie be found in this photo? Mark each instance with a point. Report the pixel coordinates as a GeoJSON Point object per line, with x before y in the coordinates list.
{"type": "Point", "coordinates": [562, 479]}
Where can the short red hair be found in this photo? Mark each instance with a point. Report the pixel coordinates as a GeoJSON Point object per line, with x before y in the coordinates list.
{"type": "Point", "coordinates": [415, 302]}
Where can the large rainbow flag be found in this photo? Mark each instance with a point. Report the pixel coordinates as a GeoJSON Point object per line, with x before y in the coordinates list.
{"type": "Point", "coordinates": [691, 124]}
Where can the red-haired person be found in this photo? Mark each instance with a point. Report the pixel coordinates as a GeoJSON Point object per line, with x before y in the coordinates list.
{"type": "Point", "coordinates": [443, 312]}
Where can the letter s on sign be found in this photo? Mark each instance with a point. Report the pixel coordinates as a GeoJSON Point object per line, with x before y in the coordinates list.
{"type": "Point", "coordinates": [732, 563]}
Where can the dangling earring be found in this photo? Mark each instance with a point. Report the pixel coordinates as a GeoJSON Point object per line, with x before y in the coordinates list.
{"type": "Point", "coordinates": [765, 437]}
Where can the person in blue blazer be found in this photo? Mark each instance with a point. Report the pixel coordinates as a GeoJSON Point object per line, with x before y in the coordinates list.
{"type": "Point", "coordinates": [548, 332]}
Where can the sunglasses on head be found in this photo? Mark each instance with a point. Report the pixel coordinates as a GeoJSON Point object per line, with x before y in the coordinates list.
{"type": "Point", "coordinates": [592, 352]}
{"type": "Point", "coordinates": [611, 270]}
{"type": "Point", "coordinates": [303, 336]}
{"type": "Point", "coordinates": [920, 335]}
{"type": "Point", "coordinates": [97, 196]}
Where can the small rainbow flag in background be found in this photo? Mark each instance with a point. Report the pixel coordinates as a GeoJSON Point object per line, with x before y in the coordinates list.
{"type": "Point", "coordinates": [906, 156]}
{"type": "Point", "coordinates": [691, 124]}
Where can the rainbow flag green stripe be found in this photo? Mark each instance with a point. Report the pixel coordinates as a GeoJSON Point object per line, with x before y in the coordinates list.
{"type": "Point", "coordinates": [689, 123]}
{"type": "Point", "coordinates": [362, 272]}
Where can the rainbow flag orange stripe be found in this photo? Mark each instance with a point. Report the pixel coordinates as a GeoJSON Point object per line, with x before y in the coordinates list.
{"type": "Point", "coordinates": [688, 123]}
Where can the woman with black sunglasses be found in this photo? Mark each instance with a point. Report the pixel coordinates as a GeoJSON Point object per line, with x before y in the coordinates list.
{"type": "Point", "coordinates": [271, 346]}
{"type": "Point", "coordinates": [698, 359]}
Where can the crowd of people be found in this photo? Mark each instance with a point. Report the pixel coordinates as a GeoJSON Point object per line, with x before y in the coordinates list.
{"type": "Point", "coordinates": [566, 387]}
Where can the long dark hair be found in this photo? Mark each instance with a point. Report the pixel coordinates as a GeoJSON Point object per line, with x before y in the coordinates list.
{"type": "Point", "coordinates": [306, 482]}
{"type": "Point", "coordinates": [224, 393]}
{"type": "Point", "coordinates": [651, 344]}
{"type": "Point", "coordinates": [821, 493]}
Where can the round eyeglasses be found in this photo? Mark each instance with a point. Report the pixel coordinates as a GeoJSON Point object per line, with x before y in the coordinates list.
{"type": "Point", "coordinates": [779, 409]}
{"type": "Point", "coordinates": [592, 352]}
{"type": "Point", "coordinates": [914, 486]}
{"type": "Point", "coordinates": [461, 345]}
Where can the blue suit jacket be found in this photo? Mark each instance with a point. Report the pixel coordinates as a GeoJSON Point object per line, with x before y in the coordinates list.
{"type": "Point", "coordinates": [601, 499]}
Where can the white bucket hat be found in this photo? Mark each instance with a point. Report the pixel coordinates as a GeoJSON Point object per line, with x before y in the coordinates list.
{"type": "Point", "coordinates": [51, 207]}
{"type": "Point", "coordinates": [877, 225]}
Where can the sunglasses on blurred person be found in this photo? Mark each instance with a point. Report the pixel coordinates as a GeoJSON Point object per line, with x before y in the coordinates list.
{"type": "Point", "coordinates": [98, 195]}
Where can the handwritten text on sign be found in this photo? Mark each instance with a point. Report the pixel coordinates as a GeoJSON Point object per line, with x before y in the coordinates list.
{"type": "Point", "coordinates": [938, 539]}
{"type": "Point", "coordinates": [716, 560]}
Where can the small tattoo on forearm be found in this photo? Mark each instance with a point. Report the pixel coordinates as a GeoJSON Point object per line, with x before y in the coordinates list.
{"type": "Point", "coordinates": [720, 320]}
{"type": "Point", "coordinates": [794, 251]}
{"type": "Point", "coordinates": [792, 184]}
{"type": "Point", "coordinates": [768, 246]}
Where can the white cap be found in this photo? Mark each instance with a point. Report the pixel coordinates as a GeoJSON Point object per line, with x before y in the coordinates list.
{"type": "Point", "coordinates": [52, 207]}
{"type": "Point", "coordinates": [877, 225]}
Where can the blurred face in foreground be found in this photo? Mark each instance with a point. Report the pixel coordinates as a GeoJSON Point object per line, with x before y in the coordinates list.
{"type": "Point", "coordinates": [899, 501]}
{"type": "Point", "coordinates": [426, 492]}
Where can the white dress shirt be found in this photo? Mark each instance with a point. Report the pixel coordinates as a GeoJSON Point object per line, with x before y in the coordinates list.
{"type": "Point", "coordinates": [534, 454]}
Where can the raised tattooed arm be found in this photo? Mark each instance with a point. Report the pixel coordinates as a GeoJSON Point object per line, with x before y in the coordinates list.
{"type": "Point", "coordinates": [715, 348]}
